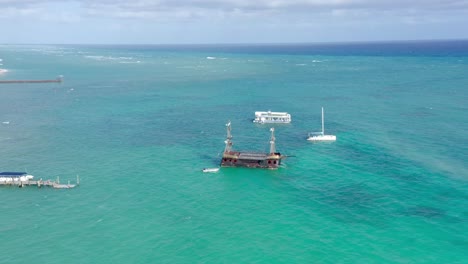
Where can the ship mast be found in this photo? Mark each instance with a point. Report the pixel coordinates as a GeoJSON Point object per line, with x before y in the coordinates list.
{"type": "Point", "coordinates": [228, 138]}
{"type": "Point", "coordinates": [272, 141]}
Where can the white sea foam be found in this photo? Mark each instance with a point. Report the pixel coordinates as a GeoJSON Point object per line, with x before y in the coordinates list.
{"type": "Point", "coordinates": [94, 57]}
{"type": "Point", "coordinates": [113, 59]}
{"type": "Point", "coordinates": [129, 62]}
{"type": "Point", "coordinates": [210, 58]}
{"type": "Point", "coordinates": [3, 71]}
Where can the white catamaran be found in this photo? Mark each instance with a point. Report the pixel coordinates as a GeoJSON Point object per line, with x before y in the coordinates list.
{"type": "Point", "coordinates": [320, 136]}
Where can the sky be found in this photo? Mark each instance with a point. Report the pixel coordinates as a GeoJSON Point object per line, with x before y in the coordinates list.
{"type": "Point", "coordinates": [229, 21]}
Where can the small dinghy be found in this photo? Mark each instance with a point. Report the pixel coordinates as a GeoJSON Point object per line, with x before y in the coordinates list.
{"type": "Point", "coordinates": [210, 170]}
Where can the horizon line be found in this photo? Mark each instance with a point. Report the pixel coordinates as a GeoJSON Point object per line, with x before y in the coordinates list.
{"type": "Point", "coordinates": [254, 43]}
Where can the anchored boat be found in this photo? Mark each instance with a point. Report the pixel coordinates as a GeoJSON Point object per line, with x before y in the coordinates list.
{"type": "Point", "coordinates": [232, 158]}
{"type": "Point", "coordinates": [320, 136]}
{"type": "Point", "coordinates": [9, 176]}
{"type": "Point", "coordinates": [210, 170]}
{"type": "Point", "coordinates": [272, 117]}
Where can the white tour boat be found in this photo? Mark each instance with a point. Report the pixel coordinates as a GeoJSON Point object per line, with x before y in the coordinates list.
{"type": "Point", "coordinates": [272, 117]}
{"type": "Point", "coordinates": [15, 176]}
{"type": "Point", "coordinates": [320, 136]}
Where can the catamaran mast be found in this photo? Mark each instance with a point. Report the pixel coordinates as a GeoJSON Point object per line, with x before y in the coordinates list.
{"type": "Point", "coordinates": [272, 141]}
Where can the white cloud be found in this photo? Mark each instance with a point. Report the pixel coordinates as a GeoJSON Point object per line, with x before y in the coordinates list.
{"type": "Point", "coordinates": [277, 5]}
{"type": "Point", "coordinates": [235, 20]}
{"type": "Point", "coordinates": [18, 12]}
{"type": "Point", "coordinates": [158, 6]}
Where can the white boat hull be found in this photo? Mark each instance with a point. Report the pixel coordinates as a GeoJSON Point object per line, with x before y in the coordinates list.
{"type": "Point", "coordinates": [16, 179]}
{"type": "Point", "coordinates": [272, 117]}
{"type": "Point", "coordinates": [210, 170]}
{"type": "Point", "coordinates": [322, 138]}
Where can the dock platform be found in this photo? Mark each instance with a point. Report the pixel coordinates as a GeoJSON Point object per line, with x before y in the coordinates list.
{"type": "Point", "coordinates": [41, 183]}
{"type": "Point", "coordinates": [58, 80]}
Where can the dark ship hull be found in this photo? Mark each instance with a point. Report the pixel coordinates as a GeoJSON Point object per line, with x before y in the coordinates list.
{"type": "Point", "coordinates": [251, 160]}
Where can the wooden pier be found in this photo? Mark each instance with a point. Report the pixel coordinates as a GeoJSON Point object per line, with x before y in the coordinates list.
{"type": "Point", "coordinates": [41, 183]}
{"type": "Point", "coordinates": [58, 80]}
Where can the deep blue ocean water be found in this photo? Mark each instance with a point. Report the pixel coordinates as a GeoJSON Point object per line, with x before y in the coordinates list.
{"type": "Point", "coordinates": [138, 123]}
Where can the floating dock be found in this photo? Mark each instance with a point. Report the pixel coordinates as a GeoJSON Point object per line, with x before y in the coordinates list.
{"type": "Point", "coordinates": [41, 183]}
{"type": "Point", "coordinates": [58, 80]}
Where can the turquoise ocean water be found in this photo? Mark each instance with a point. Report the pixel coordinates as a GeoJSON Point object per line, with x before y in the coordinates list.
{"type": "Point", "coordinates": [138, 123]}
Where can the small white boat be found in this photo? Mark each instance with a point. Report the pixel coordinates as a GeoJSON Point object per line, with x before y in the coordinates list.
{"type": "Point", "coordinates": [320, 136]}
{"type": "Point", "coordinates": [210, 170]}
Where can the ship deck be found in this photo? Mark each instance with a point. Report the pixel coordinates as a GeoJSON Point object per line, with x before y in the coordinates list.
{"type": "Point", "coordinates": [252, 156]}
